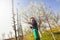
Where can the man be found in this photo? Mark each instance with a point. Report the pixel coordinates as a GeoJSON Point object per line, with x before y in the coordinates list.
{"type": "Point", "coordinates": [34, 27]}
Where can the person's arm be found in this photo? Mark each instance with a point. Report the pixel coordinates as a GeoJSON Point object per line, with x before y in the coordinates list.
{"type": "Point", "coordinates": [28, 22]}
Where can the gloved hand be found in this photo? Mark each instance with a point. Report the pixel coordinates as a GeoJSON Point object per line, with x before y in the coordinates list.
{"type": "Point", "coordinates": [31, 27]}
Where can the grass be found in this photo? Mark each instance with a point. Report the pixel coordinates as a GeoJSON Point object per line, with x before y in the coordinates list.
{"type": "Point", "coordinates": [46, 35]}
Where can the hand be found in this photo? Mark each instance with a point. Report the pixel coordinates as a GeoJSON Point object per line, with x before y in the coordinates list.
{"type": "Point", "coordinates": [31, 27]}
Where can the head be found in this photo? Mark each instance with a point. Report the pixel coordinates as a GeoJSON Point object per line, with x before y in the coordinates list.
{"type": "Point", "coordinates": [32, 18]}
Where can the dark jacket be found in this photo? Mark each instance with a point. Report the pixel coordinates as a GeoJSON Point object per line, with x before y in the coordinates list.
{"type": "Point", "coordinates": [34, 24]}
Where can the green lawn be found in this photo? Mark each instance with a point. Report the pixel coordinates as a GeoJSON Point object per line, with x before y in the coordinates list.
{"type": "Point", "coordinates": [48, 36]}
{"type": "Point", "coordinates": [45, 36]}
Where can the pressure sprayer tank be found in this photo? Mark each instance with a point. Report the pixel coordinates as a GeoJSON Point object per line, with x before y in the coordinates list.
{"type": "Point", "coordinates": [36, 34]}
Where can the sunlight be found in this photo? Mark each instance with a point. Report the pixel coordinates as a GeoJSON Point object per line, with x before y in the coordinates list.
{"type": "Point", "coordinates": [5, 16]}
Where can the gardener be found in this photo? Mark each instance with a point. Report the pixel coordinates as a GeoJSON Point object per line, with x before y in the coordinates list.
{"type": "Point", "coordinates": [34, 27]}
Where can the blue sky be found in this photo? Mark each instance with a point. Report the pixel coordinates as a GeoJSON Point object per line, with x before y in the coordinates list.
{"type": "Point", "coordinates": [53, 4]}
